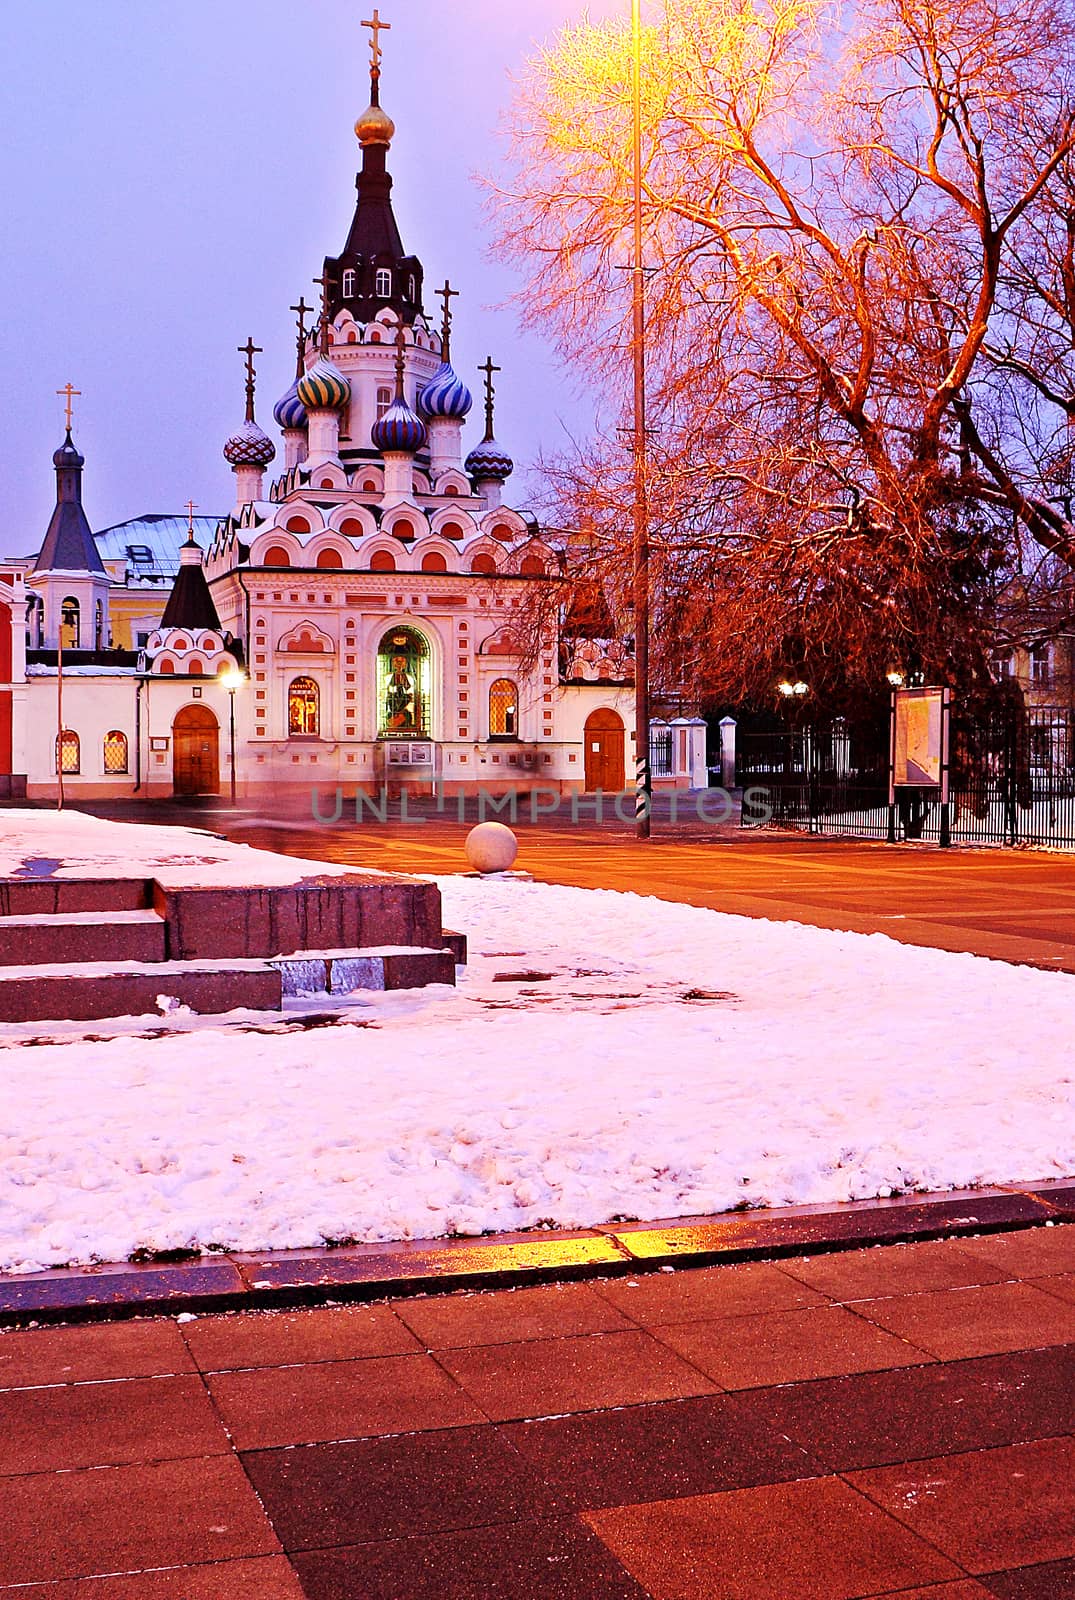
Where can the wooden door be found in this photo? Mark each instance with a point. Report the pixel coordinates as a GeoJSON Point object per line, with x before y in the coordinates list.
{"type": "Point", "coordinates": [196, 751]}
{"type": "Point", "coordinates": [604, 741]}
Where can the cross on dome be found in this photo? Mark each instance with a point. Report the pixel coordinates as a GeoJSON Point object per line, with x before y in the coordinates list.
{"type": "Point", "coordinates": [490, 393]}
{"type": "Point", "coordinates": [377, 27]}
{"type": "Point", "coordinates": [70, 393]}
{"type": "Point", "coordinates": [447, 294]}
{"type": "Point", "coordinates": [250, 350]}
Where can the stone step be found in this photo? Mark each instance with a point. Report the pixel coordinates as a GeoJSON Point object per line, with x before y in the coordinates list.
{"type": "Point", "coordinates": [93, 990]}
{"type": "Point", "coordinates": [340, 972]}
{"type": "Point", "coordinates": [33, 897]}
{"type": "Point", "coordinates": [76, 936]}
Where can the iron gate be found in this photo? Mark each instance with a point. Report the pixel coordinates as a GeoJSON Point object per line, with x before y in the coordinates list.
{"type": "Point", "coordinates": [1012, 780]}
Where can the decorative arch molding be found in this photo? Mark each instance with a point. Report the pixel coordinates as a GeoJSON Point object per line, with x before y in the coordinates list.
{"type": "Point", "coordinates": [501, 517]}
{"type": "Point", "coordinates": [432, 545]}
{"type": "Point", "coordinates": [276, 538]}
{"type": "Point", "coordinates": [292, 510]}
{"type": "Point", "coordinates": [501, 643]}
{"type": "Point", "coordinates": [381, 546]}
{"type": "Point", "coordinates": [360, 515]}
{"type": "Point", "coordinates": [453, 482]}
{"type": "Point", "coordinates": [408, 517]}
{"type": "Point", "coordinates": [449, 516]}
{"type": "Point", "coordinates": [366, 473]}
{"type": "Point", "coordinates": [306, 639]}
{"type": "Point", "coordinates": [374, 634]}
{"type": "Point", "coordinates": [326, 476]}
{"type": "Point", "coordinates": [336, 554]}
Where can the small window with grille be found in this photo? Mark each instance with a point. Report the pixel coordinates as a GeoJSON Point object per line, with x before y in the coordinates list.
{"type": "Point", "coordinates": [69, 753]}
{"type": "Point", "coordinates": [115, 751]}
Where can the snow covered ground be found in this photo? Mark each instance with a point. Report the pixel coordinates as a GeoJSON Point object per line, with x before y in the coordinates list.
{"type": "Point", "coordinates": [674, 1061]}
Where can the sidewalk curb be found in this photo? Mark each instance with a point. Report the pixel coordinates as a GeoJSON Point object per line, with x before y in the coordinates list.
{"type": "Point", "coordinates": [297, 1278]}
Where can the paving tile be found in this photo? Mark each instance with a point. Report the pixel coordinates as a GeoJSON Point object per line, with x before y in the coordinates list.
{"type": "Point", "coordinates": [876, 1418]}
{"type": "Point", "coordinates": [658, 1452]}
{"type": "Point", "coordinates": [788, 1347]}
{"type": "Point", "coordinates": [107, 1424]}
{"type": "Point", "coordinates": [894, 1269]}
{"type": "Point", "coordinates": [962, 1589]}
{"type": "Point", "coordinates": [524, 1561]}
{"type": "Point", "coordinates": [693, 1294]}
{"type": "Point", "coordinates": [101, 1351]}
{"type": "Point", "coordinates": [1061, 1196]}
{"type": "Point", "coordinates": [550, 1376]}
{"type": "Point", "coordinates": [374, 1489]}
{"type": "Point", "coordinates": [286, 1338]}
{"type": "Point", "coordinates": [1053, 1581]}
{"type": "Point", "coordinates": [329, 1400]}
{"type": "Point", "coordinates": [1063, 1285]}
{"type": "Point", "coordinates": [989, 1510]}
{"type": "Point", "coordinates": [812, 1540]}
{"type": "Point", "coordinates": [551, 1312]}
{"type": "Point", "coordinates": [976, 1322]}
{"type": "Point", "coordinates": [425, 1266]}
{"type": "Point", "coordinates": [1030, 1253]}
{"type": "Point", "coordinates": [126, 1519]}
{"type": "Point", "coordinates": [261, 1578]}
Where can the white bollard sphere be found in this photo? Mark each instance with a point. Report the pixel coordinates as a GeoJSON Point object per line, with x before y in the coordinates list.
{"type": "Point", "coordinates": [491, 847]}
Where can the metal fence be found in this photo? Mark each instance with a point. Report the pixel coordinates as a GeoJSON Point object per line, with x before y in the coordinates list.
{"type": "Point", "coordinates": [1012, 780]}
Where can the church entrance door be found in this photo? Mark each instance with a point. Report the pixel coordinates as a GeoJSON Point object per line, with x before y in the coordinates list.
{"type": "Point", "coordinates": [196, 751]}
{"type": "Point", "coordinates": [604, 740]}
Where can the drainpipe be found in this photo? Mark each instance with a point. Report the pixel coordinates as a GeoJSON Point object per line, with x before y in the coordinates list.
{"type": "Point", "coordinates": [139, 686]}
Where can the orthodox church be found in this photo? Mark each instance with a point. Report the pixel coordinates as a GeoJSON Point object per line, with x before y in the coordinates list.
{"type": "Point", "coordinates": [355, 620]}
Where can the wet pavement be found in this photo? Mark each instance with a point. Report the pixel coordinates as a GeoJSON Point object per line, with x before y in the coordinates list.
{"type": "Point", "coordinates": [891, 1422]}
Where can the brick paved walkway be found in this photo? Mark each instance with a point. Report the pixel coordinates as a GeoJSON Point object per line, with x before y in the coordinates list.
{"type": "Point", "coordinates": [894, 1422]}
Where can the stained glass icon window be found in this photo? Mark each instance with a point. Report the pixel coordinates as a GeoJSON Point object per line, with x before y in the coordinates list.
{"type": "Point", "coordinates": [303, 708]}
{"type": "Point", "coordinates": [403, 684]}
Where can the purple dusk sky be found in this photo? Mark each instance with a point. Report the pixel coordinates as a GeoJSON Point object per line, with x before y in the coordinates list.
{"type": "Point", "coordinates": [173, 176]}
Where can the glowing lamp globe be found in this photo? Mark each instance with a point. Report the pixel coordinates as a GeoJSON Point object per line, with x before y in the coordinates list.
{"type": "Point", "coordinates": [491, 847]}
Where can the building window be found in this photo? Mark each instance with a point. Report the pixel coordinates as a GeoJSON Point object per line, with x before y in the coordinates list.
{"type": "Point", "coordinates": [99, 626]}
{"type": "Point", "coordinates": [434, 561]}
{"type": "Point", "coordinates": [384, 284]}
{"type": "Point", "coordinates": [277, 556]}
{"type": "Point", "coordinates": [1003, 667]}
{"type": "Point", "coordinates": [403, 683]}
{"type": "Point", "coordinates": [1041, 665]}
{"type": "Point", "coordinates": [115, 751]}
{"type": "Point", "coordinates": [70, 621]}
{"type": "Point", "coordinates": [329, 560]}
{"type": "Point", "coordinates": [412, 288]}
{"type": "Point", "coordinates": [384, 400]}
{"type": "Point", "coordinates": [303, 709]}
{"type": "Point", "coordinates": [69, 753]}
{"type": "Point", "coordinates": [483, 563]}
{"type": "Point", "coordinates": [503, 710]}
{"type": "Point", "coordinates": [382, 561]}
{"type": "Point", "coordinates": [349, 280]}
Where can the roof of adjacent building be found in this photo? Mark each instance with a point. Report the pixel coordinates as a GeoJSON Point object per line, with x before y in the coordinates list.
{"type": "Point", "coordinates": [68, 544]}
{"type": "Point", "coordinates": [150, 545]}
{"type": "Point", "coordinates": [190, 605]}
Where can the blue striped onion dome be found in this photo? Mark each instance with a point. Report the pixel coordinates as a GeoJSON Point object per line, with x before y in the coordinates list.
{"type": "Point", "coordinates": [324, 387]}
{"type": "Point", "coordinates": [445, 395]}
{"type": "Point", "coordinates": [249, 447]}
{"type": "Point", "coordinates": [290, 411]}
{"type": "Point", "coordinates": [399, 429]}
{"type": "Point", "coordinates": [488, 460]}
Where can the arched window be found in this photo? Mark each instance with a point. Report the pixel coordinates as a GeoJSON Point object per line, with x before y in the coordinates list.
{"type": "Point", "coordinates": [303, 709]}
{"type": "Point", "coordinates": [483, 562]}
{"type": "Point", "coordinates": [166, 666]}
{"type": "Point", "coordinates": [349, 280]}
{"type": "Point", "coordinates": [115, 751]}
{"type": "Point", "coordinates": [403, 529]}
{"type": "Point", "coordinates": [277, 556]}
{"type": "Point", "coordinates": [196, 666]}
{"type": "Point", "coordinates": [412, 288]}
{"type": "Point", "coordinates": [503, 710]}
{"type": "Point", "coordinates": [403, 684]}
{"type": "Point", "coordinates": [70, 620]}
{"type": "Point", "coordinates": [433, 561]}
{"type": "Point", "coordinates": [384, 284]}
{"type": "Point", "coordinates": [504, 532]}
{"type": "Point", "coordinates": [451, 530]}
{"type": "Point", "coordinates": [382, 561]}
{"type": "Point", "coordinates": [384, 400]}
{"type": "Point", "coordinates": [330, 560]}
{"type": "Point", "coordinates": [532, 567]}
{"type": "Point", "coordinates": [99, 626]}
{"type": "Point", "coordinates": [351, 528]}
{"type": "Point", "coordinates": [69, 753]}
{"type": "Point", "coordinates": [297, 525]}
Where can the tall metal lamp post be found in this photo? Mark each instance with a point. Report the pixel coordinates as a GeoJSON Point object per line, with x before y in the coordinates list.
{"type": "Point", "coordinates": [643, 780]}
{"type": "Point", "coordinates": [232, 678]}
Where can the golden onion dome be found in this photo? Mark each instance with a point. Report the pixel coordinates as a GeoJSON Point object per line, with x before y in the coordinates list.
{"type": "Point", "coordinates": [374, 126]}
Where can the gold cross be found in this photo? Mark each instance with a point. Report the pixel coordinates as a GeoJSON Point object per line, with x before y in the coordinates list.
{"type": "Point", "coordinates": [250, 350]}
{"type": "Point", "coordinates": [70, 393]}
{"type": "Point", "coordinates": [324, 284]}
{"type": "Point", "coordinates": [301, 310]}
{"type": "Point", "coordinates": [447, 294]}
{"type": "Point", "coordinates": [191, 508]}
{"type": "Point", "coordinates": [378, 27]}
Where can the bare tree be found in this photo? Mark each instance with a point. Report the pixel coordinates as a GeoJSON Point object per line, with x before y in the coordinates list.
{"type": "Point", "coordinates": [837, 217]}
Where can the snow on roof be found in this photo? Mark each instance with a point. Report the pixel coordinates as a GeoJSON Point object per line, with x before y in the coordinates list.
{"type": "Point", "coordinates": [150, 545]}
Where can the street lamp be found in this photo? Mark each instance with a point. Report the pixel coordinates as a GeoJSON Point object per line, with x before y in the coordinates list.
{"type": "Point", "coordinates": [231, 678]}
{"type": "Point", "coordinates": [895, 678]}
{"type": "Point", "coordinates": [640, 575]}
{"type": "Point", "coordinates": [794, 690]}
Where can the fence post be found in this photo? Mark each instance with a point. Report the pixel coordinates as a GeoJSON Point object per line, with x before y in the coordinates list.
{"type": "Point", "coordinates": [727, 752]}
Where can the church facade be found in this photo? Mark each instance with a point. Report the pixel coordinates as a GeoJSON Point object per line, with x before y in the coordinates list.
{"type": "Point", "coordinates": [361, 617]}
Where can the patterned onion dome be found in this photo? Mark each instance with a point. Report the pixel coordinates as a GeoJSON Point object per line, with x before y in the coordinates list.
{"type": "Point", "coordinates": [488, 460]}
{"type": "Point", "coordinates": [399, 429]}
{"type": "Point", "coordinates": [290, 411]}
{"type": "Point", "coordinates": [445, 395]}
{"type": "Point", "coordinates": [249, 447]}
{"type": "Point", "coordinates": [324, 387]}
